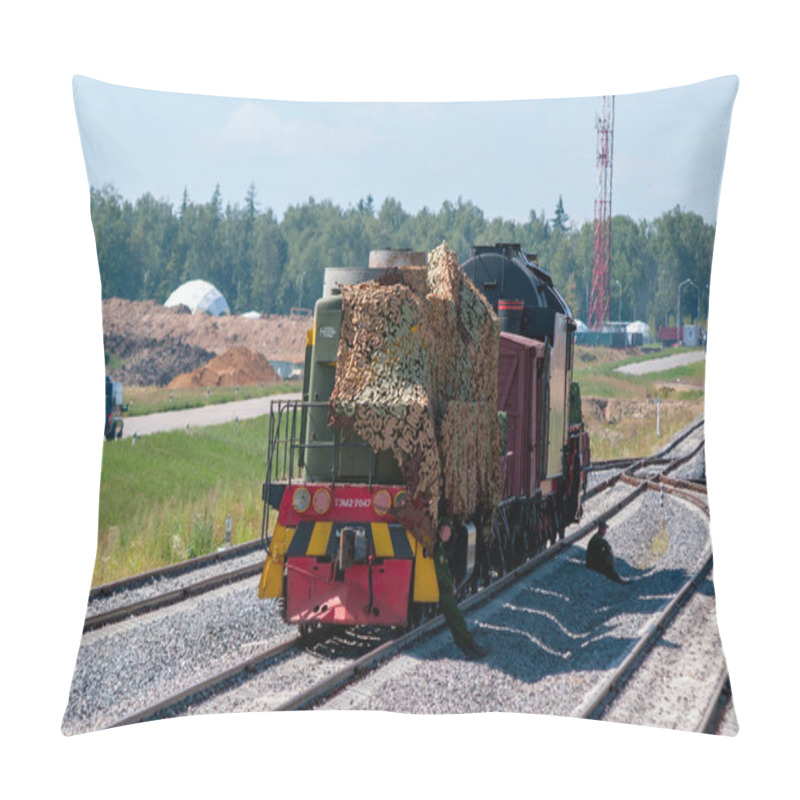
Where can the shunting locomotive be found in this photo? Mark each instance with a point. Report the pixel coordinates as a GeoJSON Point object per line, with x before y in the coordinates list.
{"type": "Point", "coordinates": [431, 390]}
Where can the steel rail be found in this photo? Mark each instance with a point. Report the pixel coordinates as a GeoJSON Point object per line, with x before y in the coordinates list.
{"type": "Point", "coordinates": [172, 570]}
{"type": "Point", "coordinates": [641, 464]}
{"type": "Point", "coordinates": [338, 680]}
{"type": "Point", "coordinates": [248, 665]}
{"type": "Point", "coordinates": [621, 675]}
{"type": "Point", "coordinates": [612, 684]}
{"type": "Point", "coordinates": [718, 702]}
{"type": "Point", "coordinates": [170, 598]}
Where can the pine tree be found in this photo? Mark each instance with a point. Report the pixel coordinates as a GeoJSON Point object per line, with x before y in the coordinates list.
{"type": "Point", "coordinates": [561, 219]}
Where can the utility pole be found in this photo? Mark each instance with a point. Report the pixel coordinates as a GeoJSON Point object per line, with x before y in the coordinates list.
{"type": "Point", "coordinates": [601, 266]}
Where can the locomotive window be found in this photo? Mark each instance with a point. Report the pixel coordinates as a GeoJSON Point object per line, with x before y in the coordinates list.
{"type": "Point", "coordinates": [553, 300]}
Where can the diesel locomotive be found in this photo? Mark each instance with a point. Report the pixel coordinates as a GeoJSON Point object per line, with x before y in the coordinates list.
{"type": "Point", "coordinates": [388, 439]}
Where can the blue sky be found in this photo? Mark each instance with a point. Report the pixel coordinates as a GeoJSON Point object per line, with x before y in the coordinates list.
{"type": "Point", "coordinates": [507, 157]}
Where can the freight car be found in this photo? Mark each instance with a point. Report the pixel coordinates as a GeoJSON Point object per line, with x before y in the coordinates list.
{"type": "Point", "coordinates": [430, 390]}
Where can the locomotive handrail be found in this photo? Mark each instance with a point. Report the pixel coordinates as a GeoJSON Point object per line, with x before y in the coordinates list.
{"type": "Point", "coordinates": [286, 449]}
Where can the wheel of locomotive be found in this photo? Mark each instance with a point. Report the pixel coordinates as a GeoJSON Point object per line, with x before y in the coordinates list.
{"type": "Point", "coordinates": [307, 630]}
{"type": "Point", "coordinates": [514, 536]}
{"type": "Point", "coordinates": [523, 521]}
{"type": "Point", "coordinates": [282, 604]}
{"type": "Point", "coordinates": [419, 614]}
{"type": "Point", "coordinates": [516, 524]}
{"type": "Point", "coordinates": [505, 550]}
{"type": "Point", "coordinates": [533, 523]}
{"type": "Point", "coordinates": [495, 556]}
{"type": "Point", "coordinates": [543, 526]}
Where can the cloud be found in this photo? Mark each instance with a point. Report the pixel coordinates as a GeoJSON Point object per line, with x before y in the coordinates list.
{"type": "Point", "coordinates": [293, 131]}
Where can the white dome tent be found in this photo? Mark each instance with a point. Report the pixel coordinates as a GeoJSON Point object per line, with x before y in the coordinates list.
{"type": "Point", "coordinates": [638, 327]}
{"type": "Point", "coordinates": [199, 296]}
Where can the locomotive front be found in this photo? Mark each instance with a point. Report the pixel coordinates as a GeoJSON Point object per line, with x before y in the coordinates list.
{"type": "Point", "coordinates": [338, 553]}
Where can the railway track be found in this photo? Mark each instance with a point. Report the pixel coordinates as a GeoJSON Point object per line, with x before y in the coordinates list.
{"type": "Point", "coordinates": [614, 683]}
{"type": "Point", "coordinates": [656, 645]}
{"type": "Point", "coordinates": [342, 667]}
{"type": "Point", "coordinates": [171, 575]}
{"type": "Point", "coordinates": [173, 570]}
{"type": "Point", "coordinates": [126, 610]}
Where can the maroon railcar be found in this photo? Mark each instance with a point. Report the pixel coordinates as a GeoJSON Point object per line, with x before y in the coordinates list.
{"type": "Point", "coordinates": [520, 397]}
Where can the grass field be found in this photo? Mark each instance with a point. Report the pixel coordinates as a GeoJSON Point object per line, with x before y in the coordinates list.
{"type": "Point", "coordinates": [167, 497]}
{"type": "Point", "coordinates": [151, 399]}
{"type": "Point", "coordinates": [620, 410]}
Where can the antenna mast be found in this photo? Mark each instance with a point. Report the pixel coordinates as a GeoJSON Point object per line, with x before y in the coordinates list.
{"type": "Point", "coordinates": [601, 271]}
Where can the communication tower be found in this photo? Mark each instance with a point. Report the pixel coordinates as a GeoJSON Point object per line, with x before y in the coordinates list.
{"type": "Point", "coordinates": [601, 270]}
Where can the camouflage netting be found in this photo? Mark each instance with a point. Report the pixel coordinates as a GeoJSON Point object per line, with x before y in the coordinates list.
{"type": "Point", "coordinates": [417, 375]}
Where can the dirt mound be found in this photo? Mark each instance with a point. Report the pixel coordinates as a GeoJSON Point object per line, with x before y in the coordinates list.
{"type": "Point", "coordinates": [153, 362]}
{"type": "Point", "coordinates": [151, 344]}
{"type": "Point", "coordinates": [237, 367]}
{"type": "Point", "coordinates": [611, 410]}
{"type": "Point", "coordinates": [608, 412]}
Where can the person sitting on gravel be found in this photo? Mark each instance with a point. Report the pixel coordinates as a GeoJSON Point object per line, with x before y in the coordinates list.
{"type": "Point", "coordinates": [600, 556]}
{"type": "Point", "coordinates": [447, 597]}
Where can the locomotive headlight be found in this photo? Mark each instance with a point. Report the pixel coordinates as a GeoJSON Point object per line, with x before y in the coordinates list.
{"type": "Point", "coordinates": [382, 502]}
{"type": "Point", "coordinates": [301, 500]}
{"type": "Point", "coordinates": [322, 500]}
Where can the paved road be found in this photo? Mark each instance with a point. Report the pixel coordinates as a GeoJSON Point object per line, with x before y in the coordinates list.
{"type": "Point", "coordinates": [196, 417]}
{"type": "Point", "coordinates": [662, 364]}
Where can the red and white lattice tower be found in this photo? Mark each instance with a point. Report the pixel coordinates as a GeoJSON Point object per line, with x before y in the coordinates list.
{"type": "Point", "coordinates": [601, 269]}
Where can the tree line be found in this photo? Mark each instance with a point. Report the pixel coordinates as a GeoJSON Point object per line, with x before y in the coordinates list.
{"type": "Point", "coordinates": [147, 248]}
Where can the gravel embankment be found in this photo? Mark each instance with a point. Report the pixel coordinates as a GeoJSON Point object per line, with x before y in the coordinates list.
{"type": "Point", "coordinates": [668, 687]}
{"type": "Point", "coordinates": [557, 633]}
{"type": "Point", "coordinates": [124, 667]}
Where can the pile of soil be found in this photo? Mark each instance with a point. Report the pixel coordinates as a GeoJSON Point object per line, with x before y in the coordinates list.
{"type": "Point", "coordinates": [237, 367]}
{"type": "Point", "coordinates": [152, 362]}
{"type": "Point", "coordinates": [610, 410]}
{"type": "Point", "coordinates": [155, 344]}
{"type": "Point", "coordinates": [602, 412]}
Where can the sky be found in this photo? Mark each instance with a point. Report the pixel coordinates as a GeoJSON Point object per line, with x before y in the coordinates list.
{"type": "Point", "coordinates": [507, 157]}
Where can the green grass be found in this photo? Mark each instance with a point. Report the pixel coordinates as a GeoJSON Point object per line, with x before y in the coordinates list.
{"type": "Point", "coordinates": [152, 399]}
{"type": "Point", "coordinates": [620, 411]}
{"type": "Point", "coordinates": [596, 373]}
{"type": "Point", "coordinates": [635, 434]}
{"type": "Point", "coordinates": [167, 497]}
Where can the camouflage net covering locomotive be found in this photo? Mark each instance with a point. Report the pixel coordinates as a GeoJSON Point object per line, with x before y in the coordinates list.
{"type": "Point", "coordinates": [417, 375]}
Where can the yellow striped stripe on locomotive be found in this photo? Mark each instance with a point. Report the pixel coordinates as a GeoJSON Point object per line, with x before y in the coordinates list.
{"type": "Point", "coordinates": [321, 540]}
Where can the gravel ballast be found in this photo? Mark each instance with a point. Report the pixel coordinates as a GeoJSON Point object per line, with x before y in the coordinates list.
{"type": "Point", "coordinates": [551, 638]}
{"type": "Point", "coordinates": [124, 667]}
{"type": "Point", "coordinates": [556, 634]}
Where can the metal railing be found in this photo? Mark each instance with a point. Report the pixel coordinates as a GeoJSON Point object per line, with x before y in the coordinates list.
{"type": "Point", "coordinates": [289, 445]}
